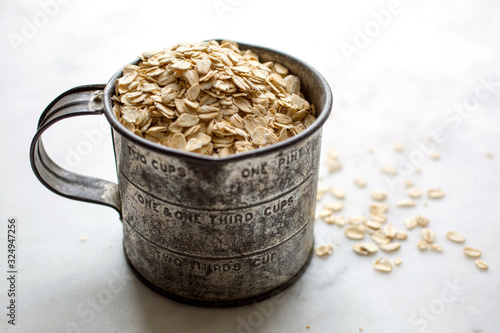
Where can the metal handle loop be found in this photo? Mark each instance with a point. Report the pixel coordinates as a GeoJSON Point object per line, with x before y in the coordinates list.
{"type": "Point", "coordinates": [79, 101]}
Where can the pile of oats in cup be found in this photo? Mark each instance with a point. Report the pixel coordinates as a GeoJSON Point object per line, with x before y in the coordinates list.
{"type": "Point", "coordinates": [211, 98]}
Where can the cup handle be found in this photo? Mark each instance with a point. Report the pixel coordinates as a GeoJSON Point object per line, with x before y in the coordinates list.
{"type": "Point", "coordinates": [79, 101]}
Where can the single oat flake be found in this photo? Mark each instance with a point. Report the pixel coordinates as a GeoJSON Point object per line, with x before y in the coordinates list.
{"type": "Point", "coordinates": [455, 237]}
{"type": "Point", "coordinates": [414, 193]}
{"type": "Point", "coordinates": [365, 249]}
{"type": "Point", "coordinates": [422, 221]}
{"type": "Point", "coordinates": [427, 235]}
{"type": "Point", "coordinates": [211, 98]}
{"type": "Point", "coordinates": [406, 203]}
{"type": "Point", "coordinates": [323, 250]}
{"type": "Point", "coordinates": [391, 247]}
{"type": "Point", "coordinates": [379, 195]}
{"type": "Point", "coordinates": [422, 245]}
{"type": "Point", "coordinates": [360, 182]}
{"type": "Point", "coordinates": [399, 147]}
{"type": "Point", "coordinates": [472, 252]}
{"type": "Point", "coordinates": [389, 170]}
{"type": "Point", "coordinates": [355, 232]}
{"type": "Point", "coordinates": [436, 247]}
{"type": "Point", "coordinates": [337, 193]}
{"type": "Point", "coordinates": [383, 265]}
{"type": "Point", "coordinates": [481, 264]}
{"type": "Point", "coordinates": [435, 193]}
{"type": "Point", "coordinates": [398, 261]}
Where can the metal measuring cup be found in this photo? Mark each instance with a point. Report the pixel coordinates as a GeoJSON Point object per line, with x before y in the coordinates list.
{"type": "Point", "coordinates": [203, 230]}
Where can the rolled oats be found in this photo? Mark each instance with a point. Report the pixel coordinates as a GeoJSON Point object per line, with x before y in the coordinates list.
{"type": "Point", "coordinates": [383, 265]}
{"type": "Point", "coordinates": [360, 182]}
{"type": "Point", "coordinates": [436, 247]}
{"type": "Point", "coordinates": [355, 232]}
{"type": "Point", "coordinates": [338, 193]}
{"type": "Point", "coordinates": [422, 245]}
{"type": "Point", "coordinates": [323, 250]}
{"type": "Point", "coordinates": [365, 249]}
{"type": "Point", "coordinates": [391, 247]}
{"type": "Point", "coordinates": [379, 195]}
{"type": "Point", "coordinates": [481, 264]}
{"type": "Point", "coordinates": [414, 193]}
{"type": "Point", "coordinates": [472, 252]}
{"type": "Point", "coordinates": [389, 170]}
{"type": "Point", "coordinates": [435, 193]}
{"type": "Point", "coordinates": [406, 203]}
{"type": "Point", "coordinates": [455, 237]}
{"type": "Point", "coordinates": [399, 147]}
{"type": "Point", "coordinates": [214, 89]}
{"type": "Point", "coordinates": [428, 235]}
{"type": "Point", "coordinates": [422, 221]}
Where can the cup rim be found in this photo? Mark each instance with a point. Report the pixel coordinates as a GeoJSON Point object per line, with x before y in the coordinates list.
{"type": "Point", "coordinates": [324, 113]}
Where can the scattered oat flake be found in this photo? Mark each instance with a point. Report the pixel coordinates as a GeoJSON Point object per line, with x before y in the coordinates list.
{"type": "Point", "coordinates": [414, 193]}
{"type": "Point", "coordinates": [436, 247]}
{"type": "Point", "coordinates": [410, 223]}
{"type": "Point", "coordinates": [399, 147]}
{"type": "Point", "coordinates": [401, 235]}
{"type": "Point", "coordinates": [360, 182]}
{"type": "Point", "coordinates": [406, 203]}
{"type": "Point", "coordinates": [336, 206]}
{"type": "Point", "coordinates": [389, 170]}
{"type": "Point", "coordinates": [355, 232]}
{"type": "Point", "coordinates": [336, 219]}
{"type": "Point", "coordinates": [383, 265]}
{"type": "Point", "coordinates": [435, 155]}
{"type": "Point", "coordinates": [472, 252]}
{"type": "Point", "coordinates": [398, 261]}
{"type": "Point", "coordinates": [390, 231]}
{"type": "Point", "coordinates": [357, 219]}
{"type": "Point", "coordinates": [455, 237]}
{"type": "Point", "coordinates": [435, 193]}
{"type": "Point", "coordinates": [489, 155]}
{"type": "Point", "coordinates": [333, 165]}
{"type": "Point", "coordinates": [422, 245]}
{"type": "Point", "coordinates": [380, 238]}
{"type": "Point", "coordinates": [321, 191]}
{"type": "Point", "coordinates": [378, 208]}
{"type": "Point", "coordinates": [391, 247]}
{"type": "Point", "coordinates": [381, 218]}
{"type": "Point", "coordinates": [409, 183]}
{"type": "Point", "coordinates": [326, 212]}
{"type": "Point", "coordinates": [83, 239]}
{"type": "Point", "coordinates": [373, 225]}
{"type": "Point", "coordinates": [481, 264]}
{"type": "Point", "coordinates": [422, 221]}
{"type": "Point", "coordinates": [428, 235]}
{"type": "Point", "coordinates": [378, 195]}
{"type": "Point", "coordinates": [323, 250]}
{"type": "Point", "coordinates": [365, 249]}
{"type": "Point", "coordinates": [338, 192]}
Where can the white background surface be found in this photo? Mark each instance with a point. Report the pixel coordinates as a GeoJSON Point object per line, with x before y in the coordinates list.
{"type": "Point", "coordinates": [400, 86]}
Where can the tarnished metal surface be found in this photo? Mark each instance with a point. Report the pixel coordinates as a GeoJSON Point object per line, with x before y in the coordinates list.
{"type": "Point", "coordinates": [218, 231]}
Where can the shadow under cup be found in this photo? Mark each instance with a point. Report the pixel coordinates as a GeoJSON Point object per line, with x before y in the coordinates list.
{"type": "Point", "coordinates": [204, 230]}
